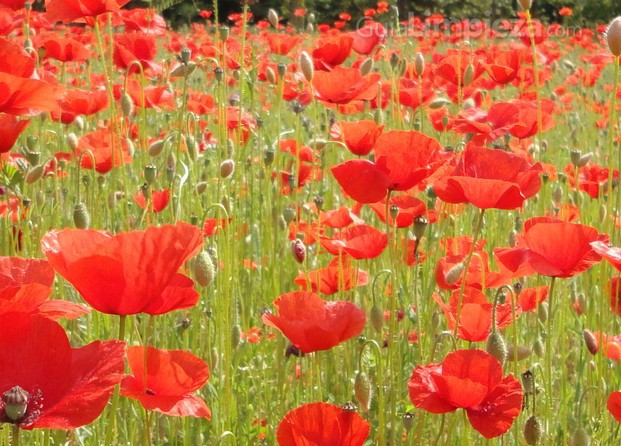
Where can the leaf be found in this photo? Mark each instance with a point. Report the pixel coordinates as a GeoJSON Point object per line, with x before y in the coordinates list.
{"type": "Point", "coordinates": [11, 176]}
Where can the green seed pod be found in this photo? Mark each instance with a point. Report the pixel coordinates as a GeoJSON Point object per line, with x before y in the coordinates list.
{"type": "Point", "coordinates": [204, 270]}
{"type": "Point", "coordinates": [363, 391]}
{"type": "Point", "coordinates": [533, 430]}
{"type": "Point", "coordinates": [81, 216]}
{"type": "Point", "coordinates": [150, 173]}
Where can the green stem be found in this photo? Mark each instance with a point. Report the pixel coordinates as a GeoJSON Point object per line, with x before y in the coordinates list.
{"type": "Point", "coordinates": [14, 435]}
{"type": "Point", "coordinates": [548, 380]}
{"type": "Point", "coordinates": [111, 429]}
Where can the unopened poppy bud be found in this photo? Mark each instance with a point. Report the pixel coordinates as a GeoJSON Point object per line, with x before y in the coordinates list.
{"type": "Point", "coordinates": [282, 69]}
{"type": "Point", "coordinates": [215, 358]}
{"type": "Point", "coordinates": [127, 105]}
{"type": "Point", "coordinates": [525, 4]}
{"type": "Point", "coordinates": [366, 66]}
{"type": "Point", "coordinates": [469, 74]}
{"type": "Point", "coordinates": [542, 312]}
{"type": "Point", "coordinates": [539, 348]}
{"type": "Point", "coordinates": [580, 438]}
{"type": "Point", "coordinates": [235, 336]}
{"type": "Point", "coordinates": [150, 173]}
{"type": "Point", "coordinates": [204, 271]}
{"type": "Point", "coordinates": [183, 70]}
{"type": "Point", "coordinates": [227, 167]}
{"type": "Point", "coordinates": [408, 421]}
{"type": "Point", "coordinates": [201, 187]}
{"type": "Point", "coordinates": [79, 123]}
{"type": "Point", "coordinates": [298, 250]}
{"type": "Point", "coordinates": [512, 238]}
{"type": "Point", "coordinates": [318, 202]}
{"type": "Point", "coordinates": [420, 226]}
{"type": "Point", "coordinates": [156, 147]}
{"type": "Point", "coordinates": [363, 391]}
{"type": "Point", "coordinates": [439, 103]}
{"type": "Point", "coordinates": [270, 75]}
{"type": "Point", "coordinates": [35, 174]}
{"type": "Point", "coordinates": [81, 216]}
{"type": "Point", "coordinates": [590, 341]}
{"type": "Point", "coordinates": [613, 36]}
{"type": "Point", "coordinates": [394, 60]}
{"type": "Point", "coordinates": [603, 212]}
{"type": "Point", "coordinates": [518, 352]}
{"type": "Point", "coordinates": [15, 403]}
{"type": "Point", "coordinates": [419, 64]}
{"type": "Point", "coordinates": [557, 195]}
{"type": "Point", "coordinates": [227, 204]}
{"type": "Point", "coordinates": [584, 159]}
{"type": "Point", "coordinates": [272, 17]}
{"type": "Point", "coordinates": [72, 141]}
{"type": "Point", "coordinates": [310, 28]}
{"type": "Point", "coordinates": [533, 430]}
{"type": "Point", "coordinates": [497, 347]}
{"type": "Point", "coordinates": [454, 273]}
{"type": "Point", "coordinates": [376, 316]}
{"type": "Point", "coordinates": [190, 143]}
{"type": "Point", "coordinates": [307, 66]}
{"type": "Point", "coordinates": [268, 156]}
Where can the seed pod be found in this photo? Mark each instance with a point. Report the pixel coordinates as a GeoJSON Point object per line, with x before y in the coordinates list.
{"type": "Point", "coordinates": [282, 69]}
{"type": "Point", "coordinates": [150, 173]}
{"type": "Point", "coordinates": [307, 66]}
{"type": "Point", "coordinates": [376, 315]}
{"type": "Point", "coordinates": [533, 430]}
{"type": "Point", "coordinates": [539, 348]}
{"type": "Point", "coordinates": [613, 36]}
{"type": "Point", "coordinates": [557, 195]}
{"type": "Point", "coordinates": [363, 391]}
{"type": "Point", "coordinates": [528, 382]}
{"type": "Point", "coordinates": [227, 167]}
{"type": "Point", "coordinates": [408, 421]}
{"type": "Point", "coordinates": [81, 216]}
{"type": "Point", "coordinates": [497, 347]}
{"type": "Point", "coordinates": [420, 225]}
{"type": "Point", "coordinates": [204, 270]}
{"type": "Point", "coordinates": [15, 403]}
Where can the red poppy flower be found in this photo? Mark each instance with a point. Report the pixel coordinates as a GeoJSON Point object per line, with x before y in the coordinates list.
{"type": "Point", "coordinates": [65, 49]}
{"type": "Point", "coordinates": [530, 298]}
{"type": "Point", "coordinates": [409, 207]}
{"type": "Point", "coordinates": [15, 60]}
{"type": "Point", "coordinates": [360, 241]}
{"type": "Point", "coordinates": [32, 298]}
{"type": "Point", "coordinates": [13, 4]}
{"type": "Point", "coordinates": [135, 47]}
{"type": "Point", "coordinates": [614, 405]}
{"type": "Point", "coordinates": [211, 226]}
{"type": "Point", "coordinates": [610, 345]}
{"type": "Point", "coordinates": [527, 124]}
{"type": "Point", "coordinates": [145, 21]}
{"type": "Point", "coordinates": [359, 136]}
{"type": "Point", "coordinates": [472, 380]}
{"type": "Point", "coordinates": [614, 290]}
{"type": "Point", "coordinates": [487, 126]}
{"type": "Point", "coordinates": [15, 271]}
{"type": "Point", "coordinates": [25, 97]}
{"type": "Point", "coordinates": [322, 424]}
{"type": "Point", "coordinates": [338, 276]}
{"type": "Point", "coordinates": [343, 85]}
{"type": "Point", "coordinates": [164, 380]}
{"type": "Point", "coordinates": [109, 152]}
{"type": "Point", "coordinates": [130, 272]}
{"type": "Point", "coordinates": [489, 178]}
{"type": "Point", "coordinates": [69, 10]}
{"type": "Point", "coordinates": [313, 324]}
{"type": "Point", "coordinates": [281, 44]}
{"type": "Point", "coordinates": [402, 160]}
{"type": "Point", "coordinates": [10, 129]}
{"type": "Point", "coordinates": [543, 248]}
{"type": "Point", "coordinates": [339, 218]}
{"type": "Point", "coordinates": [66, 387]}
{"type": "Point", "coordinates": [74, 103]}
{"type": "Point", "coordinates": [152, 96]}
{"type": "Point", "coordinates": [611, 254]}
{"type": "Point", "coordinates": [592, 178]}
{"type": "Point", "coordinates": [475, 318]}
{"type": "Point", "coordinates": [332, 51]}
{"type": "Point", "coordinates": [159, 200]}
{"type": "Point", "coordinates": [368, 37]}
{"type": "Point", "coordinates": [503, 65]}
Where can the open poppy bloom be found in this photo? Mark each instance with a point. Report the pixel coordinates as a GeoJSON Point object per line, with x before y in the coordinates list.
{"type": "Point", "coordinates": [10, 128]}
{"type": "Point", "coordinates": [16, 271]}
{"type": "Point", "coordinates": [108, 150]}
{"type": "Point", "coordinates": [402, 160]}
{"type": "Point", "coordinates": [360, 242]}
{"type": "Point", "coordinates": [488, 178]}
{"type": "Point", "coordinates": [343, 85]}
{"type": "Point", "coordinates": [135, 47]}
{"type": "Point", "coordinates": [62, 387]}
{"type": "Point", "coordinates": [75, 102]}
{"type": "Point", "coordinates": [25, 97]}
{"type": "Point", "coordinates": [322, 424]}
{"type": "Point", "coordinates": [544, 248]}
{"type": "Point", "coordinates": [313, 324]}
{"type": "Point", "coordinates": [167, 384]}
{"type": "Point", "coordinates": [358, 136]}
{"type": "Point", "coordinates": [69, 10]}
{"type": "Point", "coordinates": [159, 200]}
{"type": "Point", "coordinates": [614, 405]}
{"type": "Point", "coordinates": [130, 272]}
{"type": "Point", "coordinates": [339, 275]}
{"type": "Point", "coordinates": [471, 380]}
{"type": "Point", "coordinates": [332, 51]}
{"type": "Point", "coordinates": [409, 207]}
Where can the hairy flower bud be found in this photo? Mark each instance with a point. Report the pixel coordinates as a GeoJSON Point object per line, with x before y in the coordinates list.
{"type": "Point", "coordinates": [307, 66]}
{"type": "Point", "coordinates": [613, 36]}
{"type": "Point", "coordinates": [298, 250]}
{"type": "Point", "coordinates": [363, 391]}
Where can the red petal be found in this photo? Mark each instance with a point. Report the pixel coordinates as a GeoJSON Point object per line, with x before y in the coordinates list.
{"type": "Point", "coordinates": [362, 180]}
{"type": "Point", "coordinates": [614, 405]}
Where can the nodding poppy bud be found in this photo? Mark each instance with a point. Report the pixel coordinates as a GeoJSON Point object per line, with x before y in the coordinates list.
{"type": "Point", "coordinates": [227, 167]}
{"type": "Point", "coordinates": [156, 147]}
{"type": "Point", "coordinates": [497, 347]}
{"type": "Point", "coordinates": [298, 250]}
{"type": "Point", "coordinates": [518, 352]}
{"type": "Point", "coordinates": [419, 64]}
{"type": "Point", "coordinates": [201, 187]}
{"type": "Point", "coordinates": [363, 391]}
{"type": "Point", "coordinates": [376, 316]}
{"type": "Point", "coordinates": [542, 312]}
{"type": "Point", "coordinates": [454, 273]}
{"type": "Point", "coordinates": [469, 74]}
{"type": "Point", "coordinates": [35, 174]}
{"type": "Point", "coordinates": [127, 105]}
{"type": "Point", "coordinates": [590, 341]}
{"type": "Point", "coordinates": [613, 36]}
{"type": "Point", "coordinates": [580, 438]}
{"type": "Point", "coordinates": [525, 4]}
{"type": "Point", "coordinates": [215, 358]}
{"type": "Point", "coordinates": [533, 430]}
{"type": "Point", "coordinates": [307, 66]}
{"type": "Point", "coordinates": [538, 347]}
{"type": "Point", "coordinates": [366, 66]}
{"type": "Point", "coordinates": [72, 141]}
{"type": "Point", "coordinates": [204, 270]}
{"type": "Point", "coordinates": [81, 216]}
{"type": "Point", "coordinates": [15, 403]}
{"type": "Point", "coordinates": [282, 69]}
{"type": "Point", "coordinates": [394, 60]}
{"type": "Point", "coordinates": [235, 336]}
{"type": "Point", "coordinates": [272, 17]}
{"type": "Point", "coordinates": [270, 75]}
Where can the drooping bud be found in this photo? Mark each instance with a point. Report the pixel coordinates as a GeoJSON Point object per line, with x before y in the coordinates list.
{"type": "Point", "coordinates": [15, 403]}
{"type": "Point", "coordinates": [235, 336]}
{"type": "Point", "coordinates": [419, 64]}
{"type": "Point", "coordinates": [454, 273]}
{"type": "Point", "coordinates": [204, 270]}
{"type": "Point", "coordinates": [376, 316]}
{"type": "Point", "coordinates": [525, 4]}
{"type": "Point", "coordinates": [580, 438]}
{"type": "Point", "coordinates": [469, 74]}
{"type": "Point", "coordinates": [590, 341]}
{"type": "Point", "coordinates": [363, 391]}
{"type": "Point", "coordinates": [497, 347]}
{"type": "Point", "coordinates": [272, 17]}
{"type": "Point", "coordinates": [298, 250]}
{"type": "Point", "coordinates": [72, 141]}
{"type": "Point", "coordinates": [518, 352]}
{"type": "Point", "coordinates": [35, 174]}
{"type": "Point", "coordinates": [270, 75]}
{"type": "Point", "coordinates": [366, 66]}
{"type": "Point", "coordinates": [81, 216]}
{"type": "Point", "coordinates": [613, 36]}
{"type": "Point", "coordinates": [156, 147]}
{"type": "Point", "coordinates": [227, 167]}
{"type": "Point", "coordinates": [533, 430]}
{"type": "Point", "coordinates": [307, 66]}
{"type": "Point", "coordinates": [127, 105]}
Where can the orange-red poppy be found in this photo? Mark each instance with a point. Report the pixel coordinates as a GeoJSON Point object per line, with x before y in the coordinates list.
{"type": "Point", "coordinates": [613, 404]}
{"type": "Point", "coordinates": [76, 102]}
{"type": "Point", "coordinates": [25, 97]}
{"type": "Point", "coordinates": [332, 51]}
{"type": "Point", "coordinates": [107, 149]}
{"type": "Point", "coordinates": [359, 136]}
{"type": "Point", "coordinates": [158, 202]}
{"type": "Point", "coordinates": [338, 276]}
{"type": "Point", "coordinates": [69, 10]}
{"type": "Point", "coordinates": [343, 85]}
{"type": "Point", "coordinates": [359, 241]}
{"type": "Point", "coordinates": [10, 129]}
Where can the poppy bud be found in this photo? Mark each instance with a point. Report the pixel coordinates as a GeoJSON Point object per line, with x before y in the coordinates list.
{"type": "Point", "coordinates": [318, 202]}
{"type": "Point", "coordinates": [192, 147]}
{"type": "Point", "coordinates": [307, 67]}
{"type": "Point", "coordinates": [127, 105]}
{"type": "Point", "coordinates": [533, 430]}
{"type": "Point", "coordinates": [525, 4]}
{"type": "Point", "coordinates": [35, 174]}
{"type": "Point", "coordinates": [590, 341]}
{"type": "Point", "coordinates": [72, 141]}
{"type": "Point", "coordinates": [512, 238]}
{"type": "Point", "coordinates": [204, 271]}
{"type": "Point", "coordinates": [497, 347]}
{"type": "Point", "coordinates": [419, 64]}
{"type": "Point", "coordinates": [201, 187]}
{"type": "Point", "coordinates": [215, 358]}
{"type": "Point", "coordinates": [268, 156]}
{"type": "Point", "coordinates": [454, 273]}
{"type": "Point", "coordinates": [574, 156]}
{"type": "Point", "coordinates": [580, 438]}
{"type": "Point", "coordinates": [79, 123]}
{"type": "Point", "coordinates": [557, 195]}
{"type": "Point", "coordinates": [156, 147]}
{"type": "Point", "coordinates": [439, 103]}
{"type": "Point", "coordinates": [270, 75]}
{"type": "Point", "coordinates": [272, 17]}
{"type": "Point", "coordinates": [376, 315]}
{"type": "Point", "coordinates": [363, 391]}
{"type": "Point", "coordinates": [81, 216]}
{"type": "Point", "coordinates": [235, 336]}
{"type": "Point", "coordinates": [150, 172]}
{"type": "Point", "coordinates": [538, 348]}
{"type": "Point", "coordinates": [310, 28]}
{"type": "Point", "coordinates": [603, 212]}
{"type": "Point", "coordinates": [613, 36]}
{"type": "Point", "coordinates": [394, 60]}
{"type": "Point", "coordinates": [227, 204]}
{"type": "Point", "coordinates": [520, 352]}
{"type": "Point", "coordinates": [289, 214]}
{"type": "Point", "coordinates": [183, 70]}
{"type": "Point", "coordinates": [311, 18]}
{"type": "Point", "coordinates": [298, 250]}
{"type": "Point", "coordinates": [227, 167]}
{"type": "Point", "coordinates": [408, 421]}
{"type": "Point", "coordinates": [366, 66]}
{"type": "Point", "coordinates": [15, 403]}
{"type": "Point", "coordinates": [542, 312]}
{"type": "Point", "coordinates": [469, 75]}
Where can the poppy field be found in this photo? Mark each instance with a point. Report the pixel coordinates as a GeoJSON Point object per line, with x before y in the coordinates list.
{"type": "Point", "coordinates": [383, 230]}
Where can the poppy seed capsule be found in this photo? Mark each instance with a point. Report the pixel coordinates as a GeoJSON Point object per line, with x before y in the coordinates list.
{"type": "Point", "coordinates": [298, 250]}
{"type": "Point", "coordinates": [227, 167]}
{"type": "Point", "coordinates": [204, 270]}
{"type": "Point", "coordinates": [590, 341]}
{"type": "Point", "coordinates": [150, 173]}
{"type": "Point", "coordinates": [81, 216]}
{"type": "Point", "coordinates": [420, 225]}
{"type": "Point", "coordinates": [497, 347]}
{"type": "Point", "coordinates": [307, 67]}
{"type": "Point", "coordinates": [408, 421]}
{"type": "Point", "coordinates": [15, 403]}
{"type": "Point", "coordinates": [363, 391]}
{"type": "Point", "coordinates": [613, 36]}
{"type": "Point", "coordinates": [533, 430]}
